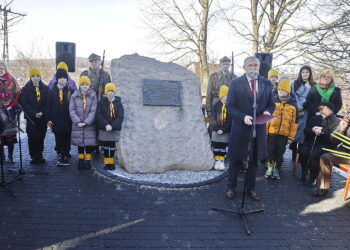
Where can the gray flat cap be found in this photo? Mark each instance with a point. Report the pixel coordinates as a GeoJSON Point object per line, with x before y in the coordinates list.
{"type": "Point", "coordinates": [94, 57]}
{"type": "Point", "coordinates": [225, 59]}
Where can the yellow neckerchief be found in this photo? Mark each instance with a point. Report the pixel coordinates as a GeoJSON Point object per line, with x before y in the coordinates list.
{"type": "Point", "coordinates": [60, 93]}
{"type": "Point", "coordinates": [223, 113]}
{"type": "Point", "coordinates": [111, 110]}
{"type": "Point", "coordinates": [84, 102]}
{"type": "Point", "coordinates": [37, 94]}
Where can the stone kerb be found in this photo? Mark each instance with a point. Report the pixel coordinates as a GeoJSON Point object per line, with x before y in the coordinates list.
{"type": "Point", "coordinates": [156, 139]}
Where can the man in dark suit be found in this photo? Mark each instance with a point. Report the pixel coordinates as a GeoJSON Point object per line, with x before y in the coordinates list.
{"type": "Point", "coordinates": [240, 106]}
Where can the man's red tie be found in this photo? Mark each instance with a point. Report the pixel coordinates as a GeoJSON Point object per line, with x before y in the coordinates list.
{"type": "Point", "coordinates": [252, 87]}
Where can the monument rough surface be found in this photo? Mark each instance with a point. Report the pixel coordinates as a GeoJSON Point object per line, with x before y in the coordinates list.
{"type": "Point", "coordinates": [156, 139]}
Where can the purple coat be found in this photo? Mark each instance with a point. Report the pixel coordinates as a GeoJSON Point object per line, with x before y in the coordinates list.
{"type": "Point", "coordinates": [85, 136]}
{"type": "Point", "coordinates": [71, 82]}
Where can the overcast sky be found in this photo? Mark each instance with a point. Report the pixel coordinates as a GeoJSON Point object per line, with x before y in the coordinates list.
{"type": "Point", "coordinates": [94, 25]}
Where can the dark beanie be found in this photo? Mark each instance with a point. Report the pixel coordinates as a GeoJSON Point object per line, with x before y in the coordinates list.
{"type": "Point", "coordinates": [328, 104]}
{"type": "Point", "coordinates": [61, 73]}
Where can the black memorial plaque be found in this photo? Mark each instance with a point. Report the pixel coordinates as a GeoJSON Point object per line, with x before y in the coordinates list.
{"type": "Point", "coordinates": [162, 93]}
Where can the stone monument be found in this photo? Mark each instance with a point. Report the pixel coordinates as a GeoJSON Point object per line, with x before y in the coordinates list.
{"type": "Point", "coordinates": [164, 127]}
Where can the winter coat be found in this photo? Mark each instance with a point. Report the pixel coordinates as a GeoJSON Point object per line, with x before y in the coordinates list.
{"type": "Point", "coordinates": [31, 106]}
{"type": "Point", "coordinates": [301, 94]}
{"type": "Point", "coordinates": [285, 122]}
{"type": "Point", "coordinates": [58, 113]}
{"type": "Point", "coordinates": [313, 101]}
{"type": "Point", "coordinates": [85, 136]}
{"type": "Point", "coordinates": [328, 124]}
{"type": "Point", "coordinates": [71, 82]}
{"type": "Point", "coordinates": [103, 119]}
{"type": "Point", "coordinates": [239, 104]}
{"type": "Point", "coordinates": [216, 124]}
{"type": "Point", "coordinates": [9, 95]}
{"type": "Point", "coordinates": [216, 80]}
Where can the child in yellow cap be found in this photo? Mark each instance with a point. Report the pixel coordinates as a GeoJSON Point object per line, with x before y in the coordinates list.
{"type": "Point", "coordinates": [71, 82]}
{"type": "Point", "coordinates": [82, 110]}
{"type": "Point", "coordinates": [220, 126]}
{"type": "Point", "coordinates": [109, 118]}
{"type": "Point", "coordinates": [58, 117]}
{"type": "Point", "coordinates": [273, 76]}
{"type": "Point", "coordinates": [33, 99]}
{"type": "Point", "coordinates": [282, 130]}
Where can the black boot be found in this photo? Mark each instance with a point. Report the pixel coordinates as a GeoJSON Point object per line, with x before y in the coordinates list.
{"type": "Point", "coordinates": [87, 164]}
{"type": "Point", "coordinates": [10, 149]}
{"type": "Point", "coordinates": [80, 164]}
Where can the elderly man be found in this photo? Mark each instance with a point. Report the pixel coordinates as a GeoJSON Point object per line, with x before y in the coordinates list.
{"type": "Point", "coordinates": [240, 106]}
{"type": "Point", "coordinates": [98, 77]}
{"type": "Point", "coordinates": [223, 77]}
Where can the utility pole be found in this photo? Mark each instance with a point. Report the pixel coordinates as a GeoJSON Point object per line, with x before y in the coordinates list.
{"type": "Point", "coordinates": [8, 17]}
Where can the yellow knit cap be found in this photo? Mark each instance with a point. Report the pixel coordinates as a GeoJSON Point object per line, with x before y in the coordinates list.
{"type": "Point", "coordinates": [110, 87]}
{"type": "Point", "coordinates": [272, 72]}
{"type": "Point", "coordinates": [84, 79]}
{"type": "Point", "coordinates": [223, 91]}
{"type": "Point", "coordinates": [34, 71]}
{"type": "Point", "coordinates": [62, 65]}
{"type": "Point", "coordinates": [284, 85]}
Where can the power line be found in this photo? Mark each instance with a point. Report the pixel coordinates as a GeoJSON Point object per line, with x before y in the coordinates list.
{"type": "Point", "coordinates": [5, 11]}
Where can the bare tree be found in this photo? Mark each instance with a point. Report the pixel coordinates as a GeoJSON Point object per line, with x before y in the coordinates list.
{"type": "Point", "coordinates": [180, 30]}
{"type": "Point", "coordinates": [331, 48]}
{"type": "Point", "coordinates": [276, 25]}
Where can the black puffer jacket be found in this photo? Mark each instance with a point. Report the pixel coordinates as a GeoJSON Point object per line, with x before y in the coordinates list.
{"type": "Point", "coordinates": [103, 114]}
{"type": "Point", "coordinates": [58, 113]}
{"type": "Point", "coordinates": [31, 106]}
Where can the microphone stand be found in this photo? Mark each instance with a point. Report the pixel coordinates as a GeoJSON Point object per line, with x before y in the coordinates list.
{"type": "Point", "coordinates": [241, 211]}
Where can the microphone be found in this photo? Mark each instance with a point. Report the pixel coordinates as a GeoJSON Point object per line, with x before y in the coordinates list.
{"type": "Point", "coordinates": [255, 75]}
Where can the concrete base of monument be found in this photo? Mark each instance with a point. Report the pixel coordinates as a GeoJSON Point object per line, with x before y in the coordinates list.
{"type": "Point", "coordinates": [170, 179]}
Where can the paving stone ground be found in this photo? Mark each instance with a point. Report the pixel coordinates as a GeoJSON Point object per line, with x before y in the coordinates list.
{"type": "Point", "coordinates": [59, 208]}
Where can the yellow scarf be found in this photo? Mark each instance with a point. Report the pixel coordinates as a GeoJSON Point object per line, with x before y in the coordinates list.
{"type": "Point", "coordinates": [60, 93]}
{"type": "Point", "coordinates": [37, 94]}
{"type": "Point", "coordinates": [111, 110]}
{"type": "Point", "coordinates": [84, 102]}
{"type": "Point", "coordinates": [223, 113]}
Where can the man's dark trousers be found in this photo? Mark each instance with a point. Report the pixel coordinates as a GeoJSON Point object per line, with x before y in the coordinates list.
{"type": "Point", "coordinates": [235, 167]}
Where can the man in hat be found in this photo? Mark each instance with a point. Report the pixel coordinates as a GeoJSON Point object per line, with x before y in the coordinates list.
{"type": "Point", "coordinates": [98, 77]}
{"type": "Point", "coordinates": [223, 77]}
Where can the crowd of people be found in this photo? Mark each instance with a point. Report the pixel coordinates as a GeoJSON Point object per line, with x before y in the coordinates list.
{"type": "Point", "coordinates": [305, 117]}
{"type": "Point", "coordinates": [88, 115]}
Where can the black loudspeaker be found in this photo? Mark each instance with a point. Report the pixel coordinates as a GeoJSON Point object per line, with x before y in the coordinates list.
{"type": "Point", "coordinates": [65, 52]}
{"type": "Point", "coordinates": [265, 63]}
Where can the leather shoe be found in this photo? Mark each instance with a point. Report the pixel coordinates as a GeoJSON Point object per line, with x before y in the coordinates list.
{"type": "Point", "coordinates": [320, 192]}
{"type": "Point", "coordinates": [253, 195]}
{"type": "Point", "coordinates": [230, 194]}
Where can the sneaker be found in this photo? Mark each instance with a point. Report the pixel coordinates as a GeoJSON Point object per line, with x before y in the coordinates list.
{"type": "Point", "coordinates": [59, 160]}
{"type": "Point", "coordinates": [275, 174]}
{"type": "Point", "coordinates": [221, 165]}
{"type": "Point", "coordinates": [216, 165]}
{"type": "Point", "coordinates": [268, 173]}
{"type": "Point", "coordinates": [65, 161]}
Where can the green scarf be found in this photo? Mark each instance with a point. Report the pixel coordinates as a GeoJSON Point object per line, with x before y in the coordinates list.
{"type": "Point", "coordinates": [325, 94]}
